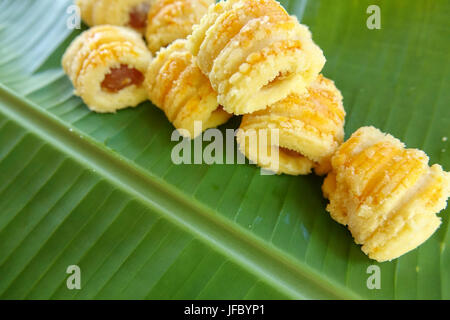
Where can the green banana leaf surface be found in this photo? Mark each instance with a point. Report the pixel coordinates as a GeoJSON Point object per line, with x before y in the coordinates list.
{"type": "Point", "coordinates": [101, 191]}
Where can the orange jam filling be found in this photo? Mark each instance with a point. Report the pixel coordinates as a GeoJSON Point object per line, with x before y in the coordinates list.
{"type": "Point", "coordinates": [138, 16]}
{"type": "Point", "coordinates": [122, 77]}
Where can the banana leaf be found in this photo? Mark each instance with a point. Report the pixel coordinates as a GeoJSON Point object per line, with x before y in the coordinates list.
{"type": "Point", "coordinates": [101, 192]}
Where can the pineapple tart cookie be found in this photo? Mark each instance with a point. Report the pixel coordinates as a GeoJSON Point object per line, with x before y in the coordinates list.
{"type": "Point", "coordinates": [107, 66]}
{"type": "Point", "coordinates": [169, 20]}
{"type": "Point", "coordinates": [254, 53]}
{"type": "Point", "coordinates": [177, 86]}
{"type": "Point", "coordinates": [310, 128]}
{"type": "Point", "coordinates": [127, 13]}
{"type": "Point", "coordinates": [387, 195]}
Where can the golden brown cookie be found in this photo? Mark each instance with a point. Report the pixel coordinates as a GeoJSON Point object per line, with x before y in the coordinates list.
{"type": "Point", "coordinates": [310, 127]}
{"type": "Point", "coordinates": [126, 13]}
{"type": "Point", "coordinates": [177, 86]}
{"type": "Point", "coordinates": [254, 53]}
{"type": "Point", "coordinates": [387, 195]}
{"type": "Point", "coordinates": [169, 20]}
{"type": "Point", "coordinates": [107, 66]}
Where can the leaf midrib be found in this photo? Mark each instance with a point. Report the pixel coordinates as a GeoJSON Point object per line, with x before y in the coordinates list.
{"type": "Point", "coordinates": [295, 278]}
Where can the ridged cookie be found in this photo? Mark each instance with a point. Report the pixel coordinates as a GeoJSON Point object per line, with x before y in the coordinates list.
{"type": "Point", "coordinates": [169, 20]}
{"type": "Point", "coordinates": [310, 128]}
{"type": "Point", "coordinates": [387, 195]}
{"type": "Point", "coordinates": [177, 86]}
{"type": "Point", "coordinates": [254, 53]}
{"type": "Point", "coordinates": [129, 13]}
{"type": "Point", "coordinates": [107, 66]}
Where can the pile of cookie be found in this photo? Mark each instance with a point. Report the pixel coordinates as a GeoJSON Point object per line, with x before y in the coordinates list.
{"type": "Point", "coordinates": [206, 62]}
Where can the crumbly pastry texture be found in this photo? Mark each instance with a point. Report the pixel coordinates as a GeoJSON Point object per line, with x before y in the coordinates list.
{"type": "Point", "coordinates": [129, 13]}
{"type": "Point", "coordinates": [177, 86]}
{"type": "Point", "coordinates": [310, 128]}
{"type": "Point", "coordinates": [94, 54]}
{"type": "Point", "coordinates": [254, 53]}
{"type": "Point", "coordinates": [169, 20]}
{"type": "Point", "coordinates": [251, 58]}
{"type": "Point", "coordinates": [387, 195]}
